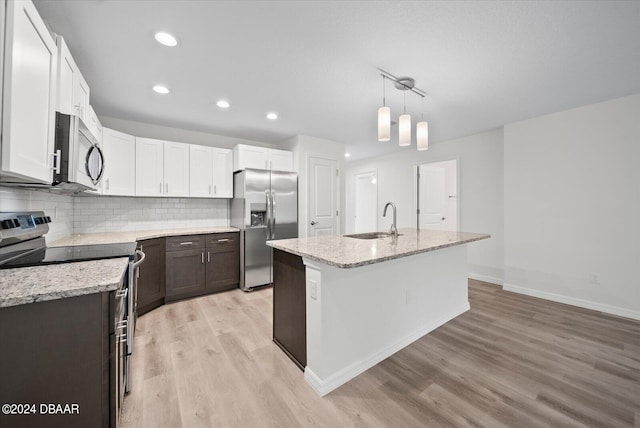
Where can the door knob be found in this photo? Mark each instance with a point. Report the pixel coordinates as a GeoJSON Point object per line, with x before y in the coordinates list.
{"type": "Point", "coordinates": [443, 218]}
{"type": "Point", "coordinates": [313, 223]}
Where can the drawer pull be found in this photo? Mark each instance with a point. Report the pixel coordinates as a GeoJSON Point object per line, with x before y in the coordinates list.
{"type": "Point", "coordinates": [187, 243]}
{"type": "Point", "coordinates": [122, 293]}
{"type": "Point", "coordinates": [223, 240]}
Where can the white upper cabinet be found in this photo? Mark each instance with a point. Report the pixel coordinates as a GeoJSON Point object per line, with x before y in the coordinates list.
{"type": "Point", "coordinates": [162, 168]}
{"type": "Point", "coordinates": [67, 69]}
{"type": "Point", "coordinates": [245, 156]}
{"type": "Point", "coordinates": [73, 91]}
{"type": "Point", "coordinates": [280, 160]}
{"type": "Point", "coordinates": [176, 169]}
{"type": "Point", "coordinates": [200, 173]}
{"type": "Point", "coordinates": [222, 173]}
{"type": "Point", "coordinates": [94, 124]}
{"type": "Point", "coordinates": [29, 94]}
{"type": "Point", "coordinates": [81, 97]}
{"type": "Point", "coordinates": [249, 157]}
{"type": "Point", "coordinates": [211, 172]}
{"type": "Point", "coordinates": [149, 167]}
{"type": "Point", "coordinates": [120, 163]}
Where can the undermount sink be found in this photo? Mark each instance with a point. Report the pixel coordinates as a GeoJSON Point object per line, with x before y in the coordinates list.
{"type": "Point", "coordinates": [370, 235]}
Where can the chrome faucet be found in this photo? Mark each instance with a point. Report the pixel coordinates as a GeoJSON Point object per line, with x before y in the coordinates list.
{"type": "Point", "coordinates": [394, 229]}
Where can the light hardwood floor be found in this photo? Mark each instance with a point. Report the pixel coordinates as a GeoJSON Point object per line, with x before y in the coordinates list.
{"type": "Point", "coordinates": [512, 360]}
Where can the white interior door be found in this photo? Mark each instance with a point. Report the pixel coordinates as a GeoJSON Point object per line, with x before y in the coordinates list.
{"type": "Point", "coordinates": [437, 198]}
{"type": "Point", "coordinates": [366, 202]}
{"type": "Point", "coordinates": [322, 197]}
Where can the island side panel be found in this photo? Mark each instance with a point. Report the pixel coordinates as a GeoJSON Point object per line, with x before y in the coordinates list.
{"type": "Point", "coordinates": [289, 306]}
{"type": "Point", "coordinates": [358, 317]}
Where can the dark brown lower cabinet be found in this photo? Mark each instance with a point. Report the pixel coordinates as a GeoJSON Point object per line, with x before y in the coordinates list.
{"type": "Point", "coordinates": [201, 264]}
{"type": "Point", "coordinates": [185, 266]}
{"type": "Point", "coordinates": [290, 306]}
{"type": "Point", "coordinates": [55, 363]}
{"type": "Point", "coordinates": [151, 279]}
{"type": "Point", "coordinates": [223, 261]}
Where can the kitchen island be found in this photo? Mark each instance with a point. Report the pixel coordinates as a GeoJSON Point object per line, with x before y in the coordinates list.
{"type": "Point", "coordinates": [343, 304]}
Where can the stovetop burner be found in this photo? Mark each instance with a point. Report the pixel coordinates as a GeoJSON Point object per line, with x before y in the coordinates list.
{"type": "Point", "coordinates": [22, 243]}
{"type": "Point", "coordinates": [54, 255]}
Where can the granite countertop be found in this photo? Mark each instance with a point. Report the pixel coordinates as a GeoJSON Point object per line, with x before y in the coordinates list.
{"type": "Point", "coordinates": [40, 283]}
{"type": "Point", "coordinates": [120, 237]}
{"type": "Point", "coordinates": [345, 252]}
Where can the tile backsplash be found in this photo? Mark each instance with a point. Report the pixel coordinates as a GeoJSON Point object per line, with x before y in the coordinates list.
{"type": "Point", "coordinates": [90, 214]}
{"type": "Point", "coordinates": [119, 214]}
{"type": "Point", "coordinates": [58, 207]}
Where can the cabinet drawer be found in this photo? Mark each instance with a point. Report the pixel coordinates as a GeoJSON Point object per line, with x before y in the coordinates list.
{"type": "Point", "coordinates": [222, 239]}
{"type": "Point", "coordinates": [185, 242]}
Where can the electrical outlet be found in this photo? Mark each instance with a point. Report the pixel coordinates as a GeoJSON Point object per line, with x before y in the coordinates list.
{"type": "Point", "coordinates": [313, 289]}
{"type": "Point", "coordinates": [595, 278]}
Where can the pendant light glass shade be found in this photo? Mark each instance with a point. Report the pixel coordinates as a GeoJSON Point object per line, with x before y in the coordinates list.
{"type": "Point", "coordinates": [422, 135]}
{"type": "Point", "coordinates": [384, 124]}
{"type": "Point", "coordinates": [404, 128]}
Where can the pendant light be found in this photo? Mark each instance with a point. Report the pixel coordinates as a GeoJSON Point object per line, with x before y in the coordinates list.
{"type": "Point", "coordinates": [404, 126]}
{"type": "Point", "coordinates": [422, 132]}
{"type": "Point", "coordinates": [404, 121]}
{"type": "Point", "coordinates": [384, 118]}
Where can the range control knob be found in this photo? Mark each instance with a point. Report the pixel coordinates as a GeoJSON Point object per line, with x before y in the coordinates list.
{"type": "Point", "coordinates": [38, 220]}
{"type": "Point", "coordinates": [7, 224]}
{"type": "Point", "coordinates": [47, 219]}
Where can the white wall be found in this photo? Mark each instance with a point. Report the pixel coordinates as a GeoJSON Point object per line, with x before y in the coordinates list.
{"type": "Point", "coordinates": [58, 207]}
{"type": "Point", "coordinates": [572, 206]}
{"type": "Point", "coordinates": [146, 130]}
{"type": "Point", "coordinates": [481, 185]}
{"type": "Point", "coordinates": [304, 147]}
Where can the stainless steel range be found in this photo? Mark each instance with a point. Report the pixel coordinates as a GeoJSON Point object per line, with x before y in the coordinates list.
{"type": "Point", "coordinates": [22, 244]}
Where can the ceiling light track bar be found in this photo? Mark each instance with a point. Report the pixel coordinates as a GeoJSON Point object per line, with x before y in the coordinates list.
{"type": "Point", "coordinates": [401, 83]}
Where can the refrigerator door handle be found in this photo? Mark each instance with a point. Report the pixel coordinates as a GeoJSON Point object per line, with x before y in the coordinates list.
{"type": "Point", "coordinates": [268, 214]}
{"type": "Point", "coordinates": [273, 215]}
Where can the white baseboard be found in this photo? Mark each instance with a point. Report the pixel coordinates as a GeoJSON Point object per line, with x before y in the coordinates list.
{"type": "Point", "coordinates": [333, 381]}
{"type": "Point", "coordinates": [485, 278]}
{"type": "Point", "coordinates": [587, 304]}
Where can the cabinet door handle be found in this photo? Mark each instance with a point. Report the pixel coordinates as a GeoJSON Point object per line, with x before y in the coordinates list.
{"type": "Point", "coordinates": [202, 257]}
{"type": "Point", "coordinates": [223, 240]}
{"type": "Point", "coordinates": [215, 189]}
{"type": "Point", "coordinates": [55, 161]}
{"type": "Point", "coordinates": [209, 188]}
{"type": "Point", "coordinates": [107, 183]}
{"type": "Point", "coordinates": [208, 256]}
{"type": "Point", "coordinates": [187, 243]}
{"type": "Point", "coordinates": [160, 188]}
{"type": "Point", "coordinates": [166, 188]}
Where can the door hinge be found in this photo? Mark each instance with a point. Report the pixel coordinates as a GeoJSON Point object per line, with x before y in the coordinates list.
{"type": "Point", "coordinates": [337, 172]}
{"type": "Point", "coordinates": [337, 213]}
{"type": "Point", "coordinates": [418, 211]}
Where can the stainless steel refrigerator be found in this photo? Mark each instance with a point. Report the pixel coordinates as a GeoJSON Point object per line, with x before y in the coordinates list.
{"type": "Point", "coordinates": [264, 207]}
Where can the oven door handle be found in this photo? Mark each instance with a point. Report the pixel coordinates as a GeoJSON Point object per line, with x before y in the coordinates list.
{"type": "Point", "coordinates": [142, 257]}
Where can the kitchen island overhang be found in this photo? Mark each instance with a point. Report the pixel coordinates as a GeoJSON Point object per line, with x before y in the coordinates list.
{"type": "Point", "coordinates": [360, 311]}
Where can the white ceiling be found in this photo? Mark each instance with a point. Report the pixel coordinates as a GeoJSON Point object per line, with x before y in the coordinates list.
{"type": "Point", "coordinates": [483, 64]}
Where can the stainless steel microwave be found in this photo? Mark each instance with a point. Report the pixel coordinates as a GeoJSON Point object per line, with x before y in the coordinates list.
{"type": "Point", "coordinates": [79, 161]}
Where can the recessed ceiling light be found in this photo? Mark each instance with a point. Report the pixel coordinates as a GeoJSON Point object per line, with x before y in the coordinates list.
{"type": "Point", "coordinates": [161, 89]}
{"type": "Point", "coordinates": [346, 155]}
{"type": "Point", "coordinates": [272, 116]}
{"type": "Point", "coordinates": [166, 39]}
{"type": "Point", "coordinates": [223, 104]}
